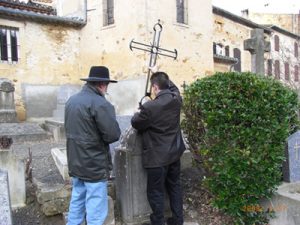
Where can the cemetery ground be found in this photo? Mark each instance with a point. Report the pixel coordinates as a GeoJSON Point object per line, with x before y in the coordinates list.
{"type": "Point", "coordinates": [196, 199]}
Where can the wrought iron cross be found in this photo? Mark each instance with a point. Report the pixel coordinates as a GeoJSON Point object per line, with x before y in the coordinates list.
{"type": "Point", "coordinates": [154, 50]}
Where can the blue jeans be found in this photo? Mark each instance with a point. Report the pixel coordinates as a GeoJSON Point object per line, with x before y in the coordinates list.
{"type": "Point", "coordinates": [90, 200]}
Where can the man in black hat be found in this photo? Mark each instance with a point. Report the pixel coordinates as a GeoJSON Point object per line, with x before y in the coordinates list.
{"type": "Point", "coordinates": [90, 125]}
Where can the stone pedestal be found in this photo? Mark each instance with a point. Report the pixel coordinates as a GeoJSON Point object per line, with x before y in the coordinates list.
{"type": "Point", "coordinates": [131, 180]}
{"type": "Point", "coordinates": [7, 104]}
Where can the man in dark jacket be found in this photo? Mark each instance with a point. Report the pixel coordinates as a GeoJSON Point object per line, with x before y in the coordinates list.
{"type": "Point", "coordinates": [90, 125]}
{"type": "Point", "coordinates": [159, 123]}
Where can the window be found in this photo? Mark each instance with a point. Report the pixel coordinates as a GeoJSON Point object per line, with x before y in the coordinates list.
{"type": "Point", "coordinates": [108, 12]}
{"type": "Point", "coordinates": [296, 50]}
{"type": "Point", "coordinates": [276, 41]}
{"type": "Point", "coordinates": [277, 69]}
{"type": "Point", "coordinates": [182, 16]}
{"type": "Point", "coordinates": [286, 71]}
{"type": "Point", "coordinates": [269, 69]}
{"type": "Point", "coordinates": [9, 44]}
{"type": "Point", "coordinates": [296, 73]}
{"type": "Point", "coordinates": [237, 55]}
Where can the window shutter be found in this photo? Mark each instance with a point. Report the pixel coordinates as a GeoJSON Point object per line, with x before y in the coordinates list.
{"type": "Point", "coordinates": [237, 54]}
{"type": "Point", "coordinates": [296, 73]}
{"type": "Point", "coordinates": [227, 50]}
{"type": "Point", "coordinates": [110, 12]}
{"type": "Point", "coordinates": [269, 67]}
{"type": "Point", "coordinates": [276, 40]}
{"type": "Point", "coordinates": [277, 69]}
{"type": "Point", "coordinates": [286, 71]}
{"type": "Point", "coordinates": [3, 40]}
{"type": "Point", "coordinates": [14, 45]}
{"type": "Point", "coordinates": [180, 11]}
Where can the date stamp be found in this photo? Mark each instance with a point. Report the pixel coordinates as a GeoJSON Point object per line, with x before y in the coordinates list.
{"type": "Point", "coordinates": [258, 208]}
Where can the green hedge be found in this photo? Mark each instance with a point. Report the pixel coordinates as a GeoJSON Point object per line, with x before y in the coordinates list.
{"type": "Point", "coordinates": [237, 125]}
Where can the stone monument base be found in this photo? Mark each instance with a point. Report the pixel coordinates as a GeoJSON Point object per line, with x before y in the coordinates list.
{"type": "Point", "coordinates": [286, 205]}
{"type": "Point", "coordinates": [56, 128]}
{"type": "Point", "coordinates": [8, 116]}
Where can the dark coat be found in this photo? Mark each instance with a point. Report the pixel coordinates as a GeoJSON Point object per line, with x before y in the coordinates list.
{"type": "Point", "coordinates": [90, 125]}
{"type": "Point", "coordinates": [159, 123]}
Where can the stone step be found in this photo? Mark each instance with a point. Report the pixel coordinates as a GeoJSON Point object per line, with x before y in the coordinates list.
{"type": "Point", "coordinates": [21, 132]}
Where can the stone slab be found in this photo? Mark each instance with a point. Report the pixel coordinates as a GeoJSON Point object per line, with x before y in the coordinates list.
{"type": "Point", "coordinates": [64, 92]}
{"type": "Point", "coordinates": [5, 210]}
{"type": "Point", "coordinates": [59, 156]}
{"type": "Point", "coordinates": [291, 167]}
{"type": "Point", "coordinates": [21, 132]}
{"type": "Point", "coordinates": [40, 100]}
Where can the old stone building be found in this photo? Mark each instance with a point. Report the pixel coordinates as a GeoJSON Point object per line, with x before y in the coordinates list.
{"type": "Point", "coordinates": [281, 61]}
{"type": "Point", "coordinates": [48, 43]}
{"type": "Point", "coordinates": [289, 22]}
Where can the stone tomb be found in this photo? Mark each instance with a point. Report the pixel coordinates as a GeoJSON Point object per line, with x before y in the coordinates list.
{"type": "Point", "coordinates": [291, 167]}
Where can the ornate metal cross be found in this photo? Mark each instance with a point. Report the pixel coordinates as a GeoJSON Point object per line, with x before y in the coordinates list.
{"type": "Point", "coordinates": [154, 50]}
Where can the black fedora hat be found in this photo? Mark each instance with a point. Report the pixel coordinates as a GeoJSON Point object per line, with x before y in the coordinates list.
{"type": "Point", "coordinates": [99, 73]}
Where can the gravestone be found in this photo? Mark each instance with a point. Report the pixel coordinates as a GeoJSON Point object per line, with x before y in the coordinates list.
{"type": "Point", "coordinates": [5, 210]}
{"type": "Point", "coordinates": [64, 92]}
{"type": "Point", "coordinates": [131, 180]}
{"type": "Point", "coordinates": [291, 167]}
{"type": "Point", "coordinates": [257, 46]}
{"type": "Point", "coordinates": [55, 125]}
{"type": "Point", "coordinates": [8, 112]}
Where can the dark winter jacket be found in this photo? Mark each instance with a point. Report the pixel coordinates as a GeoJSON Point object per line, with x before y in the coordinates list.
{"type": "Point", "coordinates": [90, 125]}
{"type": "Point", "coordinates": [159, 123]}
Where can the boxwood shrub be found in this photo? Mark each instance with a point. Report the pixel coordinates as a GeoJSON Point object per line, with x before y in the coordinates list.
{"type": "Point", "coordinates": [237, 125]}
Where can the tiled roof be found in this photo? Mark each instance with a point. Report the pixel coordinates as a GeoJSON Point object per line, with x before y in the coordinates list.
{"type": "Point", "coordinates": [30, 6]}
{"type": "Point", "coordinates": [16, 10]}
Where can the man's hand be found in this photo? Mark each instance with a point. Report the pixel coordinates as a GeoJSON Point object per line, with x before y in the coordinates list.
{"type": "Point", "coordinates": [154, 68]}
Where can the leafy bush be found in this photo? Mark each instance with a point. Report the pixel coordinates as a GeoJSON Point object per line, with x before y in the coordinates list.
{"type": "Point", "coordinates": [237, 125]}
